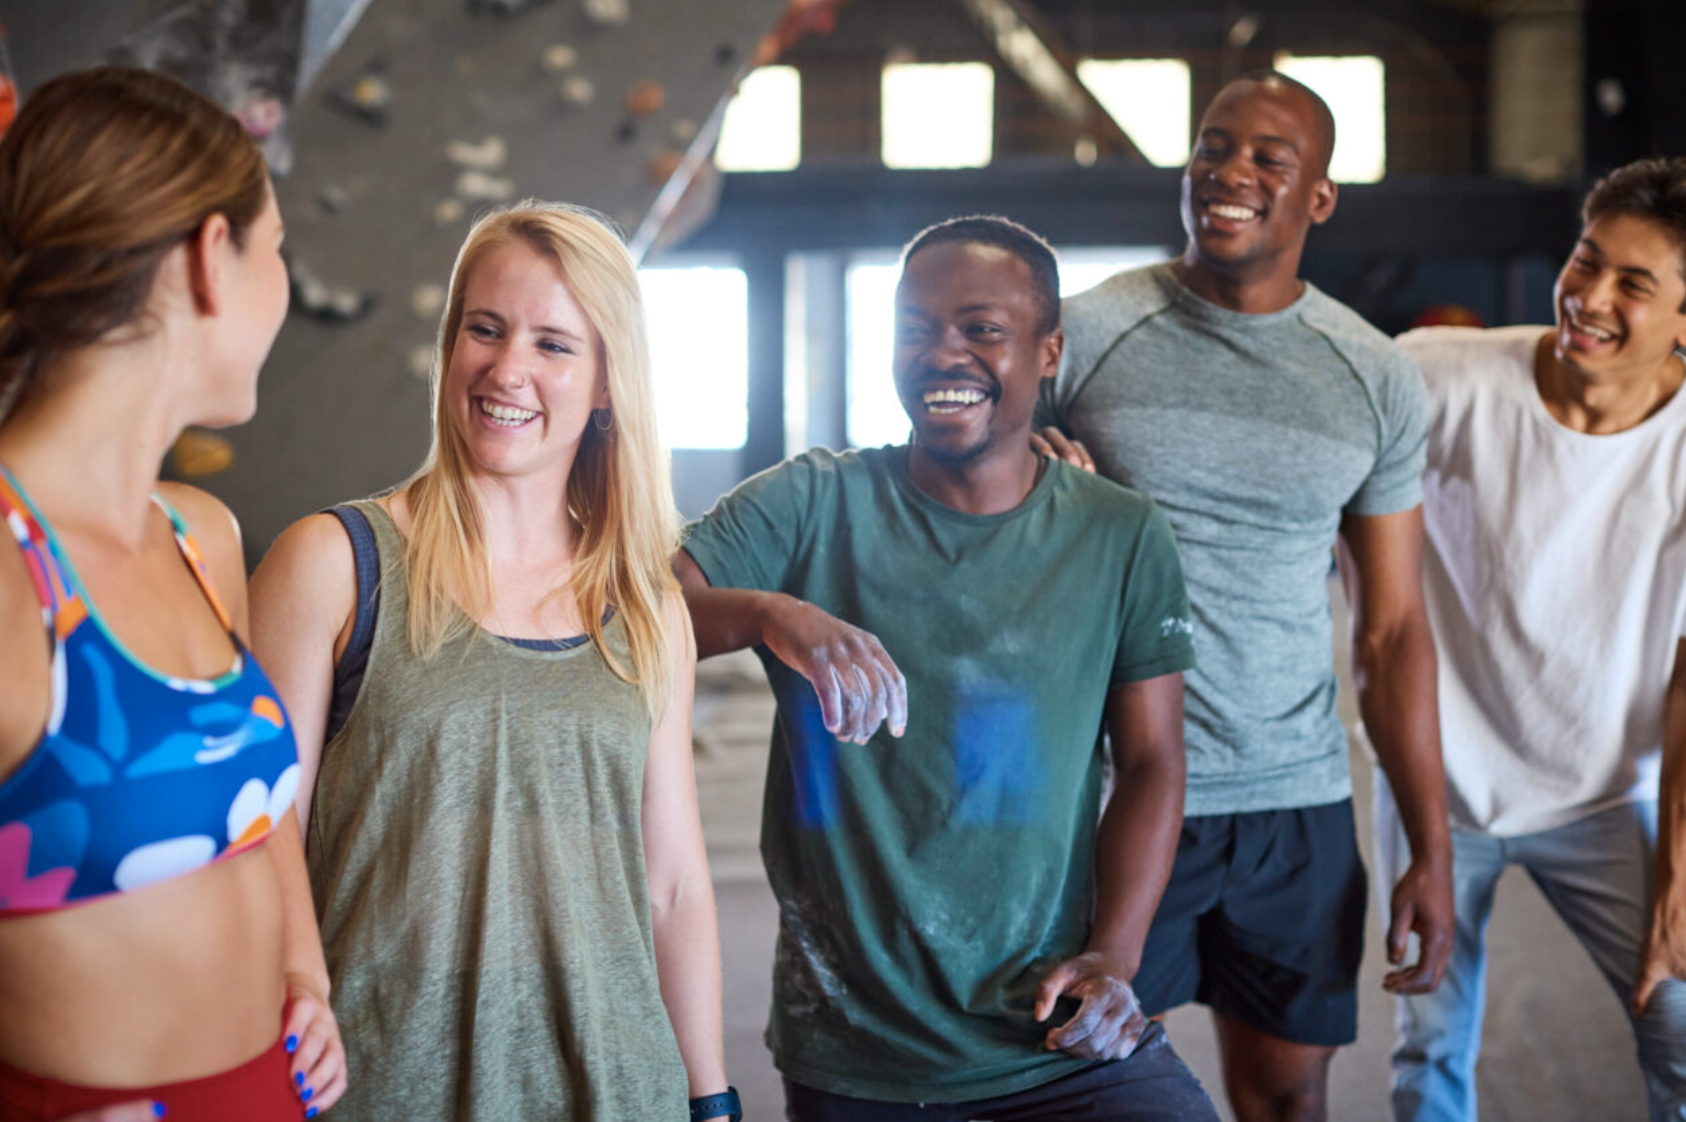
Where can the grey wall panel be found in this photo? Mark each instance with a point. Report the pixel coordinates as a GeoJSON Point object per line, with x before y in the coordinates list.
{"type": "Point", "coordinates": [49, 36]}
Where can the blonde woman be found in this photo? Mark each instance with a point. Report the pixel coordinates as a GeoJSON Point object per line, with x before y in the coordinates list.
{"type": "Point", "coordinates": [489, 670]}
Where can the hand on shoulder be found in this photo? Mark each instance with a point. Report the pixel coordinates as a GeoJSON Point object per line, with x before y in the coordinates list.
{"type": "Point", "coordinates": [1056, 445]}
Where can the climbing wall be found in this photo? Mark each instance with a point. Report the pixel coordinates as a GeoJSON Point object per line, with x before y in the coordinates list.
{"type": "Point", "coordinates": [395, 122]}
{"type": "Point", "coordinates": [430, 111]}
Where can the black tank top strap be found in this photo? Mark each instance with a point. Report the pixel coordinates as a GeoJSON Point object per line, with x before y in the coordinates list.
{"type": "Point", "coordinates": [348, 673]}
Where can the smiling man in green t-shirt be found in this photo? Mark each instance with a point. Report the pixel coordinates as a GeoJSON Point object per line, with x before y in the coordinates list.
{"type": "Point", "coordinates": [959, 922]}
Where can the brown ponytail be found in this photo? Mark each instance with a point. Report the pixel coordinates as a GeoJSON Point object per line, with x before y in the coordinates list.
{"type": "Point", "coordinates": [102, 172]}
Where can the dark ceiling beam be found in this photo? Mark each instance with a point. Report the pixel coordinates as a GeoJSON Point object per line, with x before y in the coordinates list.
{"type": "Point", "coordinates": [811, 211]}
{"type": "Point", "coordinates": [1031, 47]}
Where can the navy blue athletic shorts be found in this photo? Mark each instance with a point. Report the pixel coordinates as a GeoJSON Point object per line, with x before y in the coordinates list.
{"type": "Point", "coordinates": [1263, 921]}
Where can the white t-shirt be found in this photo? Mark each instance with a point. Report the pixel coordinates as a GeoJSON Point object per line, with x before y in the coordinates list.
{"type": "Point", "coordinates": [1555, 576]}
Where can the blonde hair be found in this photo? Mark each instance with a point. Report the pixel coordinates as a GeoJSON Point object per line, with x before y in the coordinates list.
{"type": "Point", "coordinates": [619, 493]}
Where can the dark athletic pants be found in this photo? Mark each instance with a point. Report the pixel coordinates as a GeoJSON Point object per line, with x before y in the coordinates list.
{"type": "Point", "coordinates": [1150, 1085]}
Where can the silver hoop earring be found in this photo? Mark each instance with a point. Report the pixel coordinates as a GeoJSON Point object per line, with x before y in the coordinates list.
{"type": "Point", "coordinates": [603, 419]}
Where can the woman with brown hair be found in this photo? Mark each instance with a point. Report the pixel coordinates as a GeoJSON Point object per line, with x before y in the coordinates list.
{"type": "Point", "coordinates": [490, 669]}
{"type": "Point", "coordinates": [149, 961]}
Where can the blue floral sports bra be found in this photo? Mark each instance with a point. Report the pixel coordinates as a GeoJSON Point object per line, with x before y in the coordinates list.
{"type": "Point", "coordinates": [139, 777]}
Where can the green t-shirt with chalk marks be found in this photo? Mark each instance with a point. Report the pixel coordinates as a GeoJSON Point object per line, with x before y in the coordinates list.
{"type": "Point", "coordinates": [927, 884]}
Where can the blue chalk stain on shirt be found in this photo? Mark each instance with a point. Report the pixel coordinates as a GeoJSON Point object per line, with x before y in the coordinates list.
{"type": "Point", "coordinates": [811, 746]}
{"type": "Point", "coordinates": [998, 773]}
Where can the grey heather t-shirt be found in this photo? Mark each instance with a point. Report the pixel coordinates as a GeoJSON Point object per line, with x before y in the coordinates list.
{"type": "Point", "coordinates": [1255, 434]}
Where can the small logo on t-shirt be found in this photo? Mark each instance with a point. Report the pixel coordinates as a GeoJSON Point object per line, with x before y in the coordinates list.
{"type": "Point", "coordinates": [1176, 625]}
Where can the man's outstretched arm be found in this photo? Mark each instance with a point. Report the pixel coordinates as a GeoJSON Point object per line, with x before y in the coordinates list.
{"type": "Point", "coordinates": [858, 685]}
{"type": "Point", "coordinates": [1394, 671]}
{"type": "Point", "coordinates": [1134, 849]}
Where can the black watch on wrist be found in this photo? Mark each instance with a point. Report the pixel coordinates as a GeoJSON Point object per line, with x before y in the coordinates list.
{"type": "Point", "coordinates": [712, 1106]}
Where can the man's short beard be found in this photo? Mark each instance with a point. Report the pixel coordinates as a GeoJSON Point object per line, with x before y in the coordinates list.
{"type": "Point", "coordinates": [958, 458]}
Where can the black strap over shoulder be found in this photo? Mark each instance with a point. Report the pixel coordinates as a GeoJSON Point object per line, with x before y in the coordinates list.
{"type": "Point", "coordinates": [348, 673]}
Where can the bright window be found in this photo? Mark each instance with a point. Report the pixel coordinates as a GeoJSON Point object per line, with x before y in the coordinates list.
{"type": "Point", "coordinates": [875, 412]}
{"type": "Point", "coordinates": [938, 114]}
{"type": "Point", "coordinates": [762, 130]}
{"type": "Point", "coordinates": [1354, 86]}
{"type": "Point", "coordinates": [699, 354]}
{"type": "Point", "coordinates": [1083, 267]}
{"type": "Point", "coordinates": [1149, 98]}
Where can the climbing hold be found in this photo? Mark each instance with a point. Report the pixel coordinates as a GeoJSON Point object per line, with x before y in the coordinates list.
{"type": "Point", "coordinates": [578, 90]}
{"type": "Point", "coordinates": [558, 57]}
{"type": "Point", "coordinates": [320, 301]}
{"type": "Point", "coordinates": [260, 114]}
{"type": "Point", "coordinates": [504, 8]}
{"type": "Point", "coordinates": [8, 102]}
{"type": "Point", "coordinates": [478, 187]}
{"type": "Point", "coordinates": [198, 453]}
{"type": "Point", "coordinates": [332, 198]}
{"type": "Point", "coordinates": [367, 96]}
{"type": "Point", "coordinates": [612, 13]}
{"type": "Point", "coordinates": [488, 155]}
{"type": "Point", "coordinates": [420, 362]}
{"type": "Point", "coordinates": [645, 98]}
{"type": "Point", "coordinates": [662, 166]}
{"type": "Point", "coordinates": [428, 300]}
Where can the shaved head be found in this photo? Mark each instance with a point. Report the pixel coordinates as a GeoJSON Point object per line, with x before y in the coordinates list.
{"type": "Point", "coordinates": [1322, 120]}
{"type": "Point", "coordinates": [1257, 180]}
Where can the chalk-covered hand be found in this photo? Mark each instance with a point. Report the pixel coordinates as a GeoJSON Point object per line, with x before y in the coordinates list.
{"type": "Point", "coordinates": [1109, 1021]}
{"type": "Point", "coordinates": [859, 687]}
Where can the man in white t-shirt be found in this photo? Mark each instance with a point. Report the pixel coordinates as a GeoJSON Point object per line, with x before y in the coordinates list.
{"type": "Point", "coordinates": [1555, 577]}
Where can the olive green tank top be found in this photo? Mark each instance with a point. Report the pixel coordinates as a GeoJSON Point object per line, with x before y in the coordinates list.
{"type": "Point", "coordinates": [477, 861]}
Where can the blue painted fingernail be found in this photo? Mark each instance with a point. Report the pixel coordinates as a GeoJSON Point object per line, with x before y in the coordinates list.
{"type": "Point", "coordinates": [308, 1091]}
{"type": "Point", "coordinates": [157, 1110]}
{"type": "Point", "coordinates": [298, 1077]}
{"type": "Point", "coordinates": [311, 1113]}
{"type": "Point", "coordinates": [292, 1044]}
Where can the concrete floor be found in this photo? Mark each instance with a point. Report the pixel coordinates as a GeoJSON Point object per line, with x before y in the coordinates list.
{"type": "Point", "coordinates": [1557, 1046]}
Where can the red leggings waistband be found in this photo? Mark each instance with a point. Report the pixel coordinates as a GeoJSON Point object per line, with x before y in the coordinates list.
{"type": "Point", "coordinates": [259, 1090]}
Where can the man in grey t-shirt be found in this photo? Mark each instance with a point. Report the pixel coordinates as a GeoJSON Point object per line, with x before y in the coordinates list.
{"type": "Point", "coordinates": [1267, 420]}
